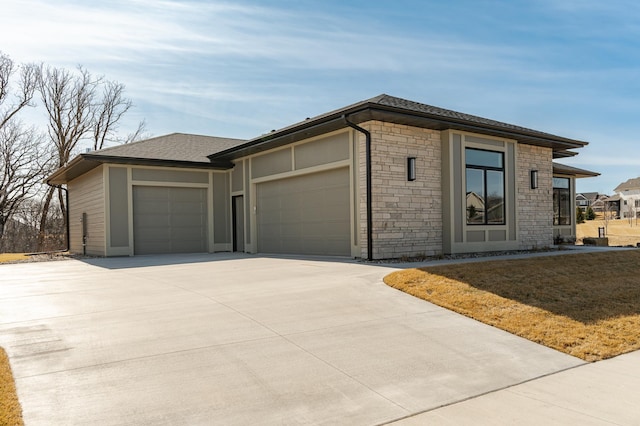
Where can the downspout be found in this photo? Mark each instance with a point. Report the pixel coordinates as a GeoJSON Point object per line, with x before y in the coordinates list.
{"type": "Point", "coordinates": [367, 136]}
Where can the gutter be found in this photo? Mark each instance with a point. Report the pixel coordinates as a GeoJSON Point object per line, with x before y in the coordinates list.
{"type": "Point", "coordinates": [367, 136]}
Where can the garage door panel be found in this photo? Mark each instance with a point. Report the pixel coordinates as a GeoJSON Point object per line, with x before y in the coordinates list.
{"type": "Point", "coordinates": [169, 220]}
{"type": "Point", "coordinates": [308, 214]}
{"type": "Point", "coordinates": [188, 220]}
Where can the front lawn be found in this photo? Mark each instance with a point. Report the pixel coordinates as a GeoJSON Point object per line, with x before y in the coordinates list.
{"type": "Point", "coordinates": [586, 305]}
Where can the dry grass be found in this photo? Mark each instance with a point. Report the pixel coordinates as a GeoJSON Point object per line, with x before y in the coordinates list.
{"type": "Point", "coordinates": [29, 258]}
{"type": "Point", "coordinates": [586, 305]}
{"type": "Point", "coordinates": [619, 231]}
{"type": "Point", "coordinates": [10, 411]}
{"type": "Point", "coordinates": [13, 257]}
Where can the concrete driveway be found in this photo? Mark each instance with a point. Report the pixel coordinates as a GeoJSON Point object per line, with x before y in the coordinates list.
{"type": "Point", "coordinates": [236, 339]}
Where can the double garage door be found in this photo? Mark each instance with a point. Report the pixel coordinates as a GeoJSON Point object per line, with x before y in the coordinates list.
{"type": "Point", "coordinates": [309, 214]}
{"type": "Point", "coordinates": [169, 220]}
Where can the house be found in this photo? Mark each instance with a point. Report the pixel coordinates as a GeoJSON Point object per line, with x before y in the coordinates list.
{"type": "Point", "coordinates": [595, 200]}
{"type": "Point", "coordinates": [629, 198]}
{"type": "Point", "coordinates": [612, 206]}
{"type": "Point", "coordinates": [382, 178]}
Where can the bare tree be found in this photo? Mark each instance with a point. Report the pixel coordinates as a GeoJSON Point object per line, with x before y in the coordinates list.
{"type": "Point", "coordinates": [139, 134]}
{"type": "Point", "coordinates": [23, 162]}
{"type": "Point", "coordinates": [79, 107]}
{"type": "Point", "coordinates": [21, 156]}
{"type": "Point", "coordinates": [109, 111]}
{"type": "Point", "coordinates": [12, 103]}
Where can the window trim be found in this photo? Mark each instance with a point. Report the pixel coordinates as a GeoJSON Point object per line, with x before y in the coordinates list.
{"type": "Point", "coordinates": [484, 170]}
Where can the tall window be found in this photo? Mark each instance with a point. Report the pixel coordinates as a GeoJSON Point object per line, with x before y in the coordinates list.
{"type": "Point", "coordinates": [485, 187]}
{"type": "Point", "coordinates": [561, 201]}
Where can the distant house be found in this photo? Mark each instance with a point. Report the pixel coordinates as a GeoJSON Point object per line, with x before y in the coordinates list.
{"type": "Point", "coordinates": [381, 178]}
{"type": "Point", "coordinates": [629, 198]}
{"type": "Point", "coordinates": [595, 200]}
{"type": "Point", "coordinates": [613, 205]}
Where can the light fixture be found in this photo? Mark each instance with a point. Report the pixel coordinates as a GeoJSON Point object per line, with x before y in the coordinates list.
{"type": "Point", "coordinates": [534, 179]}
{"type": "Point", "coordinates": [411, 168]}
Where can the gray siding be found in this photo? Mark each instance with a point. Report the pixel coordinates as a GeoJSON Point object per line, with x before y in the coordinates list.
{"type": "Point", "coordinates": [163, 175]}
{"type": "Point", "coordinates": [322, 151]}
{"type": "Point", "coordinates": [237, 177]}
{"type": "Point", "coordinates": [221, 209]}
{"type": "Point", "coordinates": [271, 163]}
{"type": "Point", "coordinates": [86, 195]}
{"type": "Point", "coordinates": [118, 207]}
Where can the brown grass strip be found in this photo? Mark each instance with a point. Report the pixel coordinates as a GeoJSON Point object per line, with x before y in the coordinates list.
{"type": "Point", "coordinates": [586, 305]}
{"type": "Point", "coordinates": [12, 257]}
{"type": "Point", "coordinates": [10, 410]}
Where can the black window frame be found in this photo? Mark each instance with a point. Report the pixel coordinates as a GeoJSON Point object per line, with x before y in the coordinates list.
{"type": "Point", "coordinates": [557, 202]}
{"type": "Point", "coordinates": [484, 170]}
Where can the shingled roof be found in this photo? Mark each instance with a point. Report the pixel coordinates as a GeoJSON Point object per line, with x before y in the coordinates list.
{"type": "Point", "coordinates": [172, 147]}
{"type": "Point", "coordinates": [185, 150]}
{"type": "Point", "coordinates": [175, 150]}
{"type": "Point", "coordinates": [628, 185]}
{"type": "Point", "coordinates": [401, 111]}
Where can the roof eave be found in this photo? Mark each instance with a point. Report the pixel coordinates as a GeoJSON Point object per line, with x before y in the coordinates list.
{"type": "Point", "coordinates": [562, 169]}
{"type": "Point", "coordinates": [365, 111]}
{"type": "Point", "coordinates": [84, 163]}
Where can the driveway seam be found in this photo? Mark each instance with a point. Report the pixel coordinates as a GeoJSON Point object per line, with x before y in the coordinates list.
{"type": "Point", "coordinates": [469, 398]}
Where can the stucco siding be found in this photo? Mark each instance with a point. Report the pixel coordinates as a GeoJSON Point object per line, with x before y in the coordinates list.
{"type": "Point", "coordinates": [86, 195]}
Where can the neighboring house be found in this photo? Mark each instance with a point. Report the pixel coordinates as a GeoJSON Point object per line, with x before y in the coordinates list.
{"type": "Point", "coordinates": [629, 193]}
{"type": "Point", "coordinates": [613, 206]}
{"type": "Point", "coordinates": [595, 200]}
{"type": "Point", "coordinates": [584, 200]}
{"type": "Point", "coordinates": [382, 178]}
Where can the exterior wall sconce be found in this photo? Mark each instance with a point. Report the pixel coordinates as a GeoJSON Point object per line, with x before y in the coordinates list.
{"type": "Point", "coordinates": [534, 179]}
{"type": "Point", "coordinates": [411, 168]}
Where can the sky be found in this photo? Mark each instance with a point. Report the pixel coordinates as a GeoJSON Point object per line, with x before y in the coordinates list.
{"type": "Point", "coordinates": [242, 68]}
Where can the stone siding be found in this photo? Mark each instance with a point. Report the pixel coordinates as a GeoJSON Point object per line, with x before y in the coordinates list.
{"type": "Point", "coordinates": [407, 215]}
{"type": "Point", "coordinates": [534, 206]}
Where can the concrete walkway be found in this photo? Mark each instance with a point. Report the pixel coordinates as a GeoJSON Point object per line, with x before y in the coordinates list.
{"type": "Point", "coordinates": [603, 393]}
{"type": "Point", "coordinates": [235, 339]}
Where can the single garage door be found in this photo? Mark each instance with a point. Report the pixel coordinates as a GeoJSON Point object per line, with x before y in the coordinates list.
{"type": "Point", "coordinates": [169, 220]}
{"type": "Point", "coordinates": [305, 215]}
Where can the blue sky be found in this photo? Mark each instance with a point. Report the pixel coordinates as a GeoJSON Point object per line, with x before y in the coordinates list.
{"type": "Point", "coordinates": [242, 68]}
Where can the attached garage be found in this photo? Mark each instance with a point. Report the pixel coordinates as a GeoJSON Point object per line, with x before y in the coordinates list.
{"type": "Point", "coordinates": [307, 214]}
{"type": "Point", "coordinates": [169, 220]}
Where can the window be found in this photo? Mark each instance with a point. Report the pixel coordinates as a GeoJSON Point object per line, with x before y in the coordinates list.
{"type": "Point", "coordinates": [561, 201]}
{"type": "Point", "coordinates": [485, 187]}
